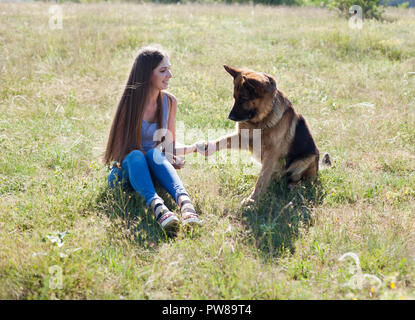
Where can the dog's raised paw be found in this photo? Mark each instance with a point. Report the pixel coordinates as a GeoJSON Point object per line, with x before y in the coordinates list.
{"type": "Point", "coordinates": [201, 146]}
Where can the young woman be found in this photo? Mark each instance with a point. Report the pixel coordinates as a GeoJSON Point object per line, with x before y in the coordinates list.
{"type": "Point", "coordinates": [144, 111]}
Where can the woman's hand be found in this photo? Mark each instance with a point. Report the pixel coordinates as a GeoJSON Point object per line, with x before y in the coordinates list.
{"type": "Point", "coordinates": [178, 162]}
{"type": "Point", "coordinates": [206, 148]}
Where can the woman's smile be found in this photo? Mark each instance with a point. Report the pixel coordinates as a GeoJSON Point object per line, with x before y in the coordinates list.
{"type": "Point", "coordinates": [162, 74]}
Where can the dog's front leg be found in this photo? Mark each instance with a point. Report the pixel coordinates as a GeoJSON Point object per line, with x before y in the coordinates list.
{"type": "Point", "coordinates": [231, 141]}
{"type": "Point", "coordinates": [269, 168]}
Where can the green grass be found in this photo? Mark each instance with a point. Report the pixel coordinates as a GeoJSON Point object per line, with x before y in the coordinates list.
{"type": "Point", "coordinates": [58, 94]}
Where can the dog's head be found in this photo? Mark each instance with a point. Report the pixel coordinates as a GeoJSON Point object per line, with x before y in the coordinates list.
{"type": "Point", "coordinates": [253, 92]}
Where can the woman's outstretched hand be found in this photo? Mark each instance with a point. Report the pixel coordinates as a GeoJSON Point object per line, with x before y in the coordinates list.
{"type": "Point", "coordinates": [206, 148]}
{"type": "Point", "coordinates": [184, 149]}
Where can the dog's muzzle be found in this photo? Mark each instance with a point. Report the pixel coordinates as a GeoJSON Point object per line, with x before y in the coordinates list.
{"type": "Point", "coordinates": [241, 117]}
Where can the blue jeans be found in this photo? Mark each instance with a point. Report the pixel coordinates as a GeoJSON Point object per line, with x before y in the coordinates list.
{"type": "Point", "coordinates": [137, 170]}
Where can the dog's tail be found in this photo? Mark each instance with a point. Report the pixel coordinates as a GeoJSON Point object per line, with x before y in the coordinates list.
{"type": "Point", "coordinates": [325, 161]}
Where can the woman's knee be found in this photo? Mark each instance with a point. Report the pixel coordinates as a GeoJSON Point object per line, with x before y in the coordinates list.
{"type": "Point", "coordinates": [133, 156]}
{"type": "Point", "coordinates": [135, 153]}
{"type": "Point", "coordinates": [155, 156]}
{"type": "Point", "coordinates": [150, 153]}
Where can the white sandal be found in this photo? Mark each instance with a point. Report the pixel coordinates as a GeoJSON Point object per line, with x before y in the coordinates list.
{"type": "Point", "coordinates": [165, 218]}
{"type": "Point", "coordinates": [188, 212]}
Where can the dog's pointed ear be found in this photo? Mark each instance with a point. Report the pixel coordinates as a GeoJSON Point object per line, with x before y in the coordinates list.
{"type": "Point", "coordinates": [260, 86]}
{"type": "Point", "coordinates": [272, 82]}
{"type": "Point", "coordinates": [234, 72]}
{"type": "Point", "coordinates": [253, 83]}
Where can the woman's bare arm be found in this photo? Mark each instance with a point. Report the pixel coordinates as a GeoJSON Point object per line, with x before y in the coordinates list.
{"type": "Point", "coordinates": [178, 148]}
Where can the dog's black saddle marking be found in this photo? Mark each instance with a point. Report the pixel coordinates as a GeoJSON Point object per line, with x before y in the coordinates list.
{"type": "Point", "coordinates": [303, 144]}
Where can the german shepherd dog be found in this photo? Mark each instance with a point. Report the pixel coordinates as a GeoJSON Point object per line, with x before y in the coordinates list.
{"type": "Point", "coordinates": [287, 147]}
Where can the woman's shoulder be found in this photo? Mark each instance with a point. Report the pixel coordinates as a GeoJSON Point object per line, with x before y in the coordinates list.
{"type": "Point", "coordinates": [172, 99]}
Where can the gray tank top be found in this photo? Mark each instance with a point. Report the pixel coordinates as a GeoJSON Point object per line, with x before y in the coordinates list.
{"type": "Point", "coordinates": [148, 139]}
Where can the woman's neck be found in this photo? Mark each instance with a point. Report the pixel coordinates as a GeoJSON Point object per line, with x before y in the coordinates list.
{"type": "Point", "coordinates": [150, 106]}
{"type": "Point", "coordinates": [152, 96]}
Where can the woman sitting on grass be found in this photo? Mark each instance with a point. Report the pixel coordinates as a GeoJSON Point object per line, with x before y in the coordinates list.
{"type": "Point", "coordinates": [143, 109]}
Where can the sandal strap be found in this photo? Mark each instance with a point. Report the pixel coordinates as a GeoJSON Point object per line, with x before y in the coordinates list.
{"type": "Point", "coordinates": [190, 215]}
{"type": "Point", "coordinates": [188, 207]}
{"type": "Point", "coordinates": [184, 195]}
{"type": "Point", "coordinates": [184, 202]}
{"type": "Point", "coordinates": [155, 202]}
{"type": "Point", "coordinates": [189, 212]}
{"type": "Point", "coordinates": [159, 209]}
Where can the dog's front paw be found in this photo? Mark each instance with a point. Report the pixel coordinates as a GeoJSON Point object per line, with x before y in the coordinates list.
{"type": "Point", "coordinates": [201, 147]}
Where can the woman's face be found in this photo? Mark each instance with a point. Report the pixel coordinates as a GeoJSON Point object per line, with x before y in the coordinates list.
{"type": "Point", "coordinates": [161, 75]}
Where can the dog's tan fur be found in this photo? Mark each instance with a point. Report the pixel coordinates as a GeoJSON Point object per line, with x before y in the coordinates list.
{"type": "Point", "coordinates": [284, 133]}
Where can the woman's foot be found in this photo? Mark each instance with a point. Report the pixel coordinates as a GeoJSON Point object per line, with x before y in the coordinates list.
{"type": "Point", "coordinates": [188, 212]}
{"type": "Point", "coordinates": [165, 218]}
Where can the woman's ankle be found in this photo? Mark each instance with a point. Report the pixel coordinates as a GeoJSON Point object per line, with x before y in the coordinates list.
{"type": "Point", "coordinates": [152, 201]}
{"type": "Point", "coordinates": [182, 197]}
{"type": "Point", "coordinates": [155, 203]}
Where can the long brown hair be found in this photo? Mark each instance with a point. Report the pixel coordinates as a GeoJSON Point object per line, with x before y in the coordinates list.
{"type": "Point", "coordinates": [125, 134]}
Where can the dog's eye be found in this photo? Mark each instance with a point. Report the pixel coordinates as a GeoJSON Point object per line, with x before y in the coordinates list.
{"type": "Point", "coordinates": [243, 99]}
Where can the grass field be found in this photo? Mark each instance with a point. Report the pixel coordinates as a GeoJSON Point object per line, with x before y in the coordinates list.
{"type": "Point", "coordinates": [58, 92]}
